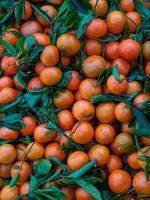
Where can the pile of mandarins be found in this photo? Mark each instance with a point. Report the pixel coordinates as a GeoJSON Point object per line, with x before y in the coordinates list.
{"type": "Point", "coordinates": [74, 100]}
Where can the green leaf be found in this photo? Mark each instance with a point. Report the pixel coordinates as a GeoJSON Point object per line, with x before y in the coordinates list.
{"type": "Point", "coordinates": [82, 25]}
{"type": "Point", "coordinates": [65, 80]}
{"type": "Point", "coordinates": [42, 14]}
{"type": "Point", "coordinates": [43, 166]}
{"type": "Point", "coordinates": [141, 132]}
{"type": "Point", "coordinates": [63, 8]}
{"type": "Point", "coordinates": [116, 73]}
{"type": "Point", "coordinates": [80, 172]}
{"type": "Point", "coordinates": [90, 188]}
{"type": "Point", "coordinates": [14, 180]}
{"type": "Point", "coordinates": [127, 31]}
{"type": "Point", "coordinates": [147, 85]}
{"type": "Point", "coordinates": [141, 9]}
{"type": "Point", "coordinates": [10, 105]}
{"type": "Point", "coordinates": [110, 37]}
{"type": "Point", "coordinates": [29, 42]}
{"type": "Point", "coordinates": [20, 8]}
{"type": "Point", "coordinates": [33, 183]}
{"type": "Point", "coordinates": [5, 141]}
{"type": "Point", "coordinates": [58, 162]}
{"type": "Point", "coordinates": [142, 158]}
{"type": "Point", "coordinates": [9, 48]}
{"type": "Point", "coordinates": [5, 17]}
{"type": "Point", "coordinates": [19, 78]}
{"type": "Point", "coordinates": [79, 5]}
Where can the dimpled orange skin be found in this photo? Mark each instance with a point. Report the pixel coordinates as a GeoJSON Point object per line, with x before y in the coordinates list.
{"type": "Point", "coordinates": [35, 83]}
{"type": "Point", "coordinates": [119, 181]}
{"type": "Point", "coordinates": [134, 86]}
{"type": "Point", "coordinates": [9, 65]}
{"type": "Point", "coordinates": [123, 66]}
{"type": "Point", "coordinates": [122, 143]}
{"type": "Point", "coordinates": [34, 150]}
{"type": "Point", "coordinates": [42, 39]}
{"type": "Point", "coordinates": [140, 184]}
{"type": "Point", "coordinates": [93, 47]}
{"type": "Point", "coordinates": [23, 170]}
{"type": "Point", "coordinates": [81, 194]}
{"type": "Point", "coordinates": [105, 134]}
{"type": "Point", "coordinates": [101, 6]}
{"type": "Point", "coordinates": [105, 112]}
{"type": "Point", "coordinates": [41, 135]}
{"type": "Point", "coordinates": [24, 189]}
{"type": "Point", "coordinates": [6, 81]}
{"type": "Point", "coordinates": [133, 21]}
{"type": "Point", "coordinates": [68, 44]}
{"type": "Point", "coordinates": [82, 133]}
{"type": "Point", "coordinates": [147, 69]}
{"type": "Point", "coordinates": [114, 163]}
{"type": "Point", "coordinates": [8, 153]}
{"type": "Point", "coordinates": [129, 49]}
{"type": "Point", "coordinates": [117, 87]}
{"type": "Point", "coordinates": [10, 37]}
{"type": "Point", "coordinates": [123, 113]}
{"type": "Point", "coordinates": [127, 5]}
{"type": "Point", "coordinates": [30, 27]}
{"type": "Point", "coordinates": [146, 50]}
{"type": "Point", "coordinates": [66, 119]}
{"type": "Point", "coordinates": [50, 11]}
{"type": "Point", "coordinates": [50, 76]}
{"type": "Point", "coordinates": [111, 51]}
{"type": "Point", "coordinates": [49, 56]}
{"type": "Point", "coordinates": [88, 88]}
{"type": "Point", "coordinates": [76, 160]}
{"type": "Point", "coordinates": [140, 99]}
{"type": "Point", "coordinates": [93, 66]}
{"type": "Point", "coordinates": [54, 149]}
{"type": "Point", "coordinates": [7, 95]}
{"type": "Point", "coordinates": [5, 170]}
{"type": "Point", "coordinates": [63, 99]}
{"type": "Point", "coordinates": [132, 160]}
{"type": "Point", "coordinates": [96, 29]}
{"type": "Point", "coordinates": [83, 110]}
{"type": "Point", "coordinates": [115, 22]}
{"type": "Point", "coordinates": [8, 134]}
{"type": "Point", "coordinates": [100, 153]}
{"type": "Point", "coordinates": [30, 125]}
{"type": "Point", "coordinates": [9, 193]}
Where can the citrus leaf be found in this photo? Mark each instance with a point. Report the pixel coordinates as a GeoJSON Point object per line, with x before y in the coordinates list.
{"type": "Point", "coordinates": [80, 5]}
{"type": "Point", "coordinates": [5, 17]}
{"type": "Point", "coordinates": [33, 183]}
{"type": "Point", "coordinates": [20, 8]}
{"type": "Point", "coordinates": [9, 48]}
{"type": "Point", "coordinates": [110, 37]}
{"type": "Point", "coordinates": [80, 172]}
{"type": "Point", "coordinates": [58, 162]}
{"type": "Point", "coordinates": [116, 73]}
{"type": "Point", "coordinates": [141, 9]}
{"type": "Point", "coordinates": [5, 141]}
{"type": "Point", "coordinates": [19, 79]}
{"type": "Point", "coordinates": [82, 25]}
{"type": "Point", "coordinates": [43, 166]}
{"type": "Point", "coordinates": [42, 14]}
{"type": "Point", "coordinates": [14, 180]}
{"type": "Point", "coordinates": [127, 31]}
{"type": "Point", "coordinates": [65, 80]}
{"type": "Point", "coordinates": [141, 132]}
{"type": "Point", "coordinates": [29, 42]}
{"type": "Point", "coordinates": [90, 188]}
{"type": "Point", "coordinates": [63, 8]}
